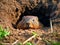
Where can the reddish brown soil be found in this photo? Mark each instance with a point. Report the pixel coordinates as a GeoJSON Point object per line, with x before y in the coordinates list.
{"type": "Point", "coordinates": [10, 11]}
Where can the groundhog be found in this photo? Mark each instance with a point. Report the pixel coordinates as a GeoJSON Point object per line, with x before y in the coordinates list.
{"type": "Point", "coordinates": [28, 22]}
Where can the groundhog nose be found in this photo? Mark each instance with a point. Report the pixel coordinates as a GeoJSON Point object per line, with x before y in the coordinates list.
{"type": "Point", "coordinates": [27, 25]}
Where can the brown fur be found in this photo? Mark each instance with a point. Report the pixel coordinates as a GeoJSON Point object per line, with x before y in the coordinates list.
{"type": "Point", "coordinates": [29, 22]}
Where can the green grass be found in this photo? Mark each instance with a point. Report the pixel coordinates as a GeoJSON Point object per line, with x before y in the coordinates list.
{"type": "Point", "coordinates": [52, 42]}
{"type": "Point", "coordinates": [28, 43]}
{"type": "Point", "coordinates": [3, 32]}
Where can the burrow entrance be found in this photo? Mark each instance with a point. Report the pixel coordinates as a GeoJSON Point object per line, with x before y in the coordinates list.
{"type": "Point", "coordinates": [40, 12]}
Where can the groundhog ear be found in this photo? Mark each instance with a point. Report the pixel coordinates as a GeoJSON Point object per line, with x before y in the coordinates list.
{"type": "Point", "coordinates": [36, 18]}
{"type": "Point", "coordinates": [23, 18]}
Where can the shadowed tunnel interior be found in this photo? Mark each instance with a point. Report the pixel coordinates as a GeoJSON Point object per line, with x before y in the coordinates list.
{"type": "Point", "coordinates": [42, 12]}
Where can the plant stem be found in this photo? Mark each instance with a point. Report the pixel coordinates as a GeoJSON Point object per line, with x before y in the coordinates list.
{"type": "Point", "coordinates": [15, 42]}
{"type": "Point", "coordinates": [29, 39]}
{"type": "Point", "coordinates": [51, 26]}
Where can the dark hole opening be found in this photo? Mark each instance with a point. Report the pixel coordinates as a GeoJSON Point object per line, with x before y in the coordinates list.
{"type": "Point", "coordinates": [40, 13]}
{"type": "Point", "coordinates": [17, 10]}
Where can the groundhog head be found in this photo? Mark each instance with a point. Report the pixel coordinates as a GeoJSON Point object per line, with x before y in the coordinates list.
{"type": "Point", "coordinates": [29, 22]}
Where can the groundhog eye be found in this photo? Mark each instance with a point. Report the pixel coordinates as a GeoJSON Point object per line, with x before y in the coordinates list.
{"type": "Point", "coordinates": [33, 19]}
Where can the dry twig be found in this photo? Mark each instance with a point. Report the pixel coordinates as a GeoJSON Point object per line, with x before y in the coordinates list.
{"type": "Point", "coordinates": [15, 42]}
{"type": "Point", "coordinates": [51, 26]}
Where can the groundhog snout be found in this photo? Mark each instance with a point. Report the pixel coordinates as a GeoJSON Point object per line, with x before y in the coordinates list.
{"type": "Point", "coordinates": [27, 25]}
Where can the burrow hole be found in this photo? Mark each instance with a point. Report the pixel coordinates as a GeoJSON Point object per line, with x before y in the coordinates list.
{"type": "Point", "coordinates": [39, 12]}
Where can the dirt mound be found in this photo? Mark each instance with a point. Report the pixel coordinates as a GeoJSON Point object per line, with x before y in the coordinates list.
{"type": "Point", "coordinates": [12, 11]}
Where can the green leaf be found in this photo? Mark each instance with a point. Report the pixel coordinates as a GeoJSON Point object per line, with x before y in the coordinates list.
{"type": "Point", "coordinates": [1, 28]}
{"type": "Point", "coordinates": [29, 43]}
{"type": "Point", "coordinates": [19, 44]}
{"type": "Point", "coordinates": [1, 44]}
{"type": "Point", "coordinates": [34, 33]}
{"type": "Point", "coordinates": [56, 43]}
